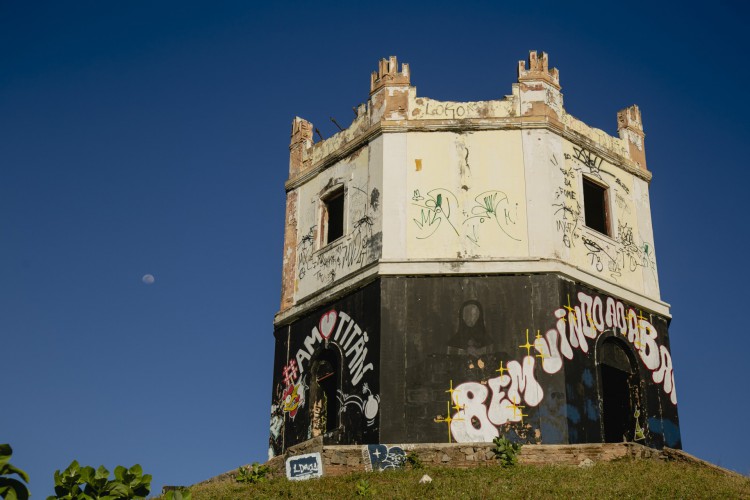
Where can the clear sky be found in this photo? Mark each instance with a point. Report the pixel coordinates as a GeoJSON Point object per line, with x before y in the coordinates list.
{"type": "Point", "coordinates": [152, 138]}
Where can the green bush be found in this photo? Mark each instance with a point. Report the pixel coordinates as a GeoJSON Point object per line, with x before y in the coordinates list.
{"type": "Point", "coordinates": [505, 451]}
{"type": "Point", "coordinates": [363, 488]}
{"type": "Point", "coordinates": [178, 494]}
{"type": "Point", "coordinates": [85, 483]}
{"type": "Point", "coordinates": [255, 473]}
{"type": "Point", "coordinates": [10, 487]}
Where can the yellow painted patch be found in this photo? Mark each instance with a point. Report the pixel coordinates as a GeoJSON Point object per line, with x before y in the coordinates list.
{"type": "Point", "coordinates": [418, 163]}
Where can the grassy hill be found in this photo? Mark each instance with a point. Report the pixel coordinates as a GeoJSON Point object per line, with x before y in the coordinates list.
{"type": "Point", "coordinates": [618, 479]}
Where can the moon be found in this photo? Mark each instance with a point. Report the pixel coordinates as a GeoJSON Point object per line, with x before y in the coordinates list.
{"type": "Point", "coordinates": [148, 279]}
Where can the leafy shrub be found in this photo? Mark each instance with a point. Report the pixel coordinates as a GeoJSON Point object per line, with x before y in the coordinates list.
{"type": "Point", "coordinates": [178, 494]}
{"type": "Point", "coordinates": [363, 488]}
{"type": "Point", "coordinates": [10, 487]}
{"type": "Point", "coordinates": [85, 483]}
{"type": "Point", "coordinates": [255, 473]}
{"type": "Point", "coordinates": [505, 451]}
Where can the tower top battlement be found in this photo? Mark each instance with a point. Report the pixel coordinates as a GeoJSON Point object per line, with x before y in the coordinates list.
{"type": "Point", "coordinates": [538, 69]}
{"type": "Point", "coordinates": [389, 75]}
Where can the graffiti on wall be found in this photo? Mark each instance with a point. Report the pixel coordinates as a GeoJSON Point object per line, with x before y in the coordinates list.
{"type": "Point", "coordinates": [438, 212]}
{"type": "Point", "coordinates": [593, 316]}
{"type": "Point", "coordinates": [302, 467]}
{"type": "Point", "coordinates": [567, 207]}
{"type": "Point", "coordinates": [367, 403]}
{"type": "Point", "coordinates": [625, 254]}
{"type": "Point", "coordinates": [481, 407]}
{"type": "Point", "coordinates": [381, 457]}
{"type": "Point", "coordinates": [354, 250]}
{"type": "Point", "coordinates": [335, 328]}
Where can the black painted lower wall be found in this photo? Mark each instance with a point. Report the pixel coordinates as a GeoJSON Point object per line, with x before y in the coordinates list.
{"type": "Point", "coordinates": [536, 358]}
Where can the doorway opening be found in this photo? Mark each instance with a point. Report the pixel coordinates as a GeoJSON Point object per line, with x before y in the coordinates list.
{"type": "Point", "coordinates": [324, 403]}
{"type": "Point", "coordinates": [621, 393]}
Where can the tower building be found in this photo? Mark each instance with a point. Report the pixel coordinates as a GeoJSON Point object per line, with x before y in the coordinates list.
{"type": "Point", "coordinates": [458, 271]}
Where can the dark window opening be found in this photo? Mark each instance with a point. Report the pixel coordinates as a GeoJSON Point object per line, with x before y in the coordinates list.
{"type": "Point", "coordinates": [334, 216]}
{"type": "Point", "coordinates": [324, 407]}
{"type": "Point", "coordinates": [595, 206]}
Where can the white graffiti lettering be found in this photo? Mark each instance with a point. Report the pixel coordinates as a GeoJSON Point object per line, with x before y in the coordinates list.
{"type": "Point", "coordinates": [573, 328]}
{"type": "Point", "coordinates": [475, 422]}
{"type": "Point", "coordinates": [349, 337]}
{"type": "Point", "coordinates": [477, 419]}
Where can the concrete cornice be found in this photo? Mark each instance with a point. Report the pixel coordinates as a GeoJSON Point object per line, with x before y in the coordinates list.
{"type": "Point", "coordinates": [470, 124]}
{"type": "Point", "coordinates": [462, 267]}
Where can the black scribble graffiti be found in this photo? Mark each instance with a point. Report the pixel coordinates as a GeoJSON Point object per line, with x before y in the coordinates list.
{"type": "Point", "coordinates": [356, 249]}
{"type": "Point", "coordinates": [594, 251]}
{"type": "Point", "coordinates": [569, 213]}
{"type": "Point", "coordinates": [630, 254]}
{"type": "Point", "coordinates": [565, 193]}
{"type": "Point", "coordinates": [625, 234]}
{"type": "Point", "coordinates": [304, 252]}
{"type": "Point", "coordinates": [308, 238]}
{"type": "Point", "coordinates": [417, 196]}
{"type": "Point", "coordinates": [590, 160]}
{"type": "Point", "coordinates": [623, 254]}
{"type": "Point", "coordinates": [435, 209]}
{"type": "Point", "coordinates": [364, 220]}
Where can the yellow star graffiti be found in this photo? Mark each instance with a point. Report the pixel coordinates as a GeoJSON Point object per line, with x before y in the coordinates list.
{"type": "Point", "coordinates": [541, 353]}
{"type": "Point", "coordinates": [452, 390]}
{"type": "Point", "coordinates": [447, 419]}
{"type": "Point", "coordinates": [527, 345]}
{"type": "Point", "coordinates": [570, 308]}
{"type": "Point", "coordinates": [518, 408]}
{"type": "Point", "coordinates": [501, 369]}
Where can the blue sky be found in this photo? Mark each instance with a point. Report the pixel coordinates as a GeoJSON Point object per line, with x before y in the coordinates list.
{"type": "Point", "coordinates": [152, 137]}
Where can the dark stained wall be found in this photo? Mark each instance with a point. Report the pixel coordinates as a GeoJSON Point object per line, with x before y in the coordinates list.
{"type": "Point", "coordinates": [535, 358]}
{"type": "Point", "coordinates": [472, 358]}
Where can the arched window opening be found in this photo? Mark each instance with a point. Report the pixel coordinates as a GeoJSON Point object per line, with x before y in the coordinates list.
{"type": "Point", "coordinates": [324, 403]}
{"type": "Point", "coordinates": [621, 394]}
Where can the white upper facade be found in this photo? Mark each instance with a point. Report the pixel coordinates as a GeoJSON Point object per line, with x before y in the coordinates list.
{"type": "Point", "coordinates": [416, 186]}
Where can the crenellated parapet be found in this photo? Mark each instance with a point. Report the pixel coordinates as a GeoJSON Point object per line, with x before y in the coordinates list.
{"type": "Point", "coordinates": [301, 140]}
{"type": "Point", "coordinates": [630, 128]}
{"type": "Point", "coordinates": [388, 74]}
{"type": "Point", "coordinates": [539, 88]}
{"type": "Point", "coordinates": [538, 70]}
{"type": "Point", "coordinates": [535, 102]}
